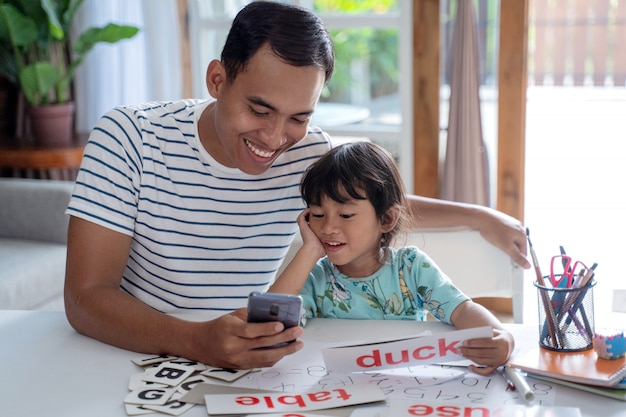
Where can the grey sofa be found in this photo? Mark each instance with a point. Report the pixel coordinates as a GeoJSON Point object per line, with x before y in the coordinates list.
{"type": "Point", "coordinates": [33, 237]}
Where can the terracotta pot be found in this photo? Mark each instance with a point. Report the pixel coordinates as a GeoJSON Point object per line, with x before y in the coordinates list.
{"type": "Point", "coordinates": [53, 124]}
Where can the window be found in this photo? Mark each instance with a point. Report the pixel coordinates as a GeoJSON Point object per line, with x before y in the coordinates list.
{"type": "Point", "coordinates": [369, 94]}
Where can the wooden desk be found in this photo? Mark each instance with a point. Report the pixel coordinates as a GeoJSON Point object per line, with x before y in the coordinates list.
{"type": "Point", "coordinates": [32, 161]}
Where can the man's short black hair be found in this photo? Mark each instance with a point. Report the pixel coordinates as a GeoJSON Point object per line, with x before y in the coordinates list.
{"type": "Point", "coordinates": [295, 34]}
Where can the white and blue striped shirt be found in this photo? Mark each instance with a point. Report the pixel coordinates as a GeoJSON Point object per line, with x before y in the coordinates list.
{"type": "Point", "coordinates": [203, 235]}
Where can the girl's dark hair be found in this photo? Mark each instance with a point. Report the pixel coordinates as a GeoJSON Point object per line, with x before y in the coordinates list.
{"type": "Point", "coordinates": [362, 171]}
{"type": "Point", "coordinates": [294, 34]}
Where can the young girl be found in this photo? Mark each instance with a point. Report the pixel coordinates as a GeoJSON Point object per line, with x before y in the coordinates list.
{"type": "Point", "coordinates": [356, 207]}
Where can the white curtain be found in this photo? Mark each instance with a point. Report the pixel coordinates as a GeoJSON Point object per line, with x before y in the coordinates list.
{"type": "Point", "coordinates": [144, 68]}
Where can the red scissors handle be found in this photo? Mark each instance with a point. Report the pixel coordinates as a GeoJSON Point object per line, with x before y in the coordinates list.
{"type": "Point", "coordinates": [566, 278]}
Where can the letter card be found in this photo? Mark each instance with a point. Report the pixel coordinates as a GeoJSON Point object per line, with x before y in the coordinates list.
{"type": "Point", "coordinates": [408, 408]}
{"type": "Point", "coordinates": [280, 402]}
{"type": "Point", "coordinates": [439, 348]}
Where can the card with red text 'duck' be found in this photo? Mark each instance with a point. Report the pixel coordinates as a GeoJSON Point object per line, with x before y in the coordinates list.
{"type": "Point", "coordinates": [436, 348]}
{"type": "Point", "coordinates": [292, 403]}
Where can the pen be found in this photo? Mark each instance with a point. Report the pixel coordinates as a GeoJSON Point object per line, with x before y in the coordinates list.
{"type": "Point", "coordinates": [563, 260]}
{"type": "Point", "coordinates": [576, 300]}
{"type": "Point", "coordinates": [551, 322]}
{"type": "Point", "coordinates": [509, 384]}
{"type": "Point", "coordinates": [516, 377]}
{"type": "Point", "coordinates": [575, 303]}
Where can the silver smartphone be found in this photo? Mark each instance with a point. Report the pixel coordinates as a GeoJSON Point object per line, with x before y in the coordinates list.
{"type": "Point", "coordinates": [263, 307]}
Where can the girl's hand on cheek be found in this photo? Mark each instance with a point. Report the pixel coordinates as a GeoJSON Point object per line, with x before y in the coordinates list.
{"type": "Point", "coordinates": [309, 238]}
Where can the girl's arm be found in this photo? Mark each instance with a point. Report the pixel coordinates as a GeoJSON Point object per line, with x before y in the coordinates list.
{"type": "Point", "coordinates": [295, 274]}
{"type": "Point", "coordinates": [489, 353]}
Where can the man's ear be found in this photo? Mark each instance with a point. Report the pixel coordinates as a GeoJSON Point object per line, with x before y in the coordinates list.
{"type": "Point", "coordinates": [390, 219]}
{"type": "Point", "coordinates": [215, 78]}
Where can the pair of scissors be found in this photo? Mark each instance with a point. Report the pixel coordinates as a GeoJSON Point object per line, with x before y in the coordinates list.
{"type": "Point", "coordinates": [563, 263]}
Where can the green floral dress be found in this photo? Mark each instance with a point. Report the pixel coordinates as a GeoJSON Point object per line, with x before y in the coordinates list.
{"type": "Point", "coordinates": [406, 287]}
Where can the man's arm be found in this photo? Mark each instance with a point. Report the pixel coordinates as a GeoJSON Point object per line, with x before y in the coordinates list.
{"type": "Point", "coordinates": [96, 307]}
{"type": "Point", "coordinates": [501, 230]}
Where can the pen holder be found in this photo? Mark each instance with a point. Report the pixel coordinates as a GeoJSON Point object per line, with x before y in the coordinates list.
{"type": "Point", "coordinates": [566, 318]}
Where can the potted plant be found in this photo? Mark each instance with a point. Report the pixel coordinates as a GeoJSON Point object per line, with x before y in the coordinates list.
{"type": "Point", "coordinates": [35, 54]}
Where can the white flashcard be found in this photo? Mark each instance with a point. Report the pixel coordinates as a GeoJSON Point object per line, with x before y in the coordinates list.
{"type": "Point", "coordinates": [197, 366]}
{"type": "Point", "coordinates": [197, 393]}
{"type": "Point", "coordinates": [151, 360]}
{"type": "Point", "coordinates": [191, 382]}
{"type": "Point", "coordinates": [411, 408]}
{"type": "Point", "coordinates": [225, 374]}
{"type": "Point", "coordinates": [149, 394]}
{"type": "Point", "coordinates": [169, 374]}
{"type": "Point", "coordinates": [136, 410]}
{"type": "Point", "coordinates": [136, 380]}
{"type": "Point", "coordinates": [437, 348]}
{"type": "Point", "coordinates": [280, 402]}
{"type": "Point", "coordinates": [173, 407]}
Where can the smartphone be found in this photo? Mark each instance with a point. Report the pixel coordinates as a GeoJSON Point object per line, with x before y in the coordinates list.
{"type": "Point", "coordinates": [263, 307]}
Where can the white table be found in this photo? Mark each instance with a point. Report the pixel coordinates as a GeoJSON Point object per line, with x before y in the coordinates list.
{"type": "Point", "coordinates": [47, 369]}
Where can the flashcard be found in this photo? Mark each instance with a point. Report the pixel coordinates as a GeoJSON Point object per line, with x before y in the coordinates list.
{"type": "Point", "coordinates": [418, 351]}
{"type": "Point", "coordinates": [136, 410]}
{"type": "Point", "coordinates": [149, 394]}
{"type": "Point", "coordinates": [197, 393]}
{"type": "Point", "coordinates": [169, 374]}
{"type": "Point", "coordinates": [137, 380]}
{"type": "Point", "coordinates": [197, 366]}
{"type": "Point", "coordinates": [408, 408]}
{"type": "Point", "coordinates": [151, 360]}
{"type": "Point", "coordinates": [191, 382]}
{"type": "Point", "coordinates": [225, 374]}
{"type": "Point", "coordinates": [172, 407]}
{"type": "Point", "coordinates": [279, 402]}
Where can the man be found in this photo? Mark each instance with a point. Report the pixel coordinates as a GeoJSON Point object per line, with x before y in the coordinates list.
{"type": "Point", "coordinates": [189, 206]}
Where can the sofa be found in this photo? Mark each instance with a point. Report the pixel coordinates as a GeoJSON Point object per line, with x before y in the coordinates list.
{"type": "Point", "coordinates": [33, 238]}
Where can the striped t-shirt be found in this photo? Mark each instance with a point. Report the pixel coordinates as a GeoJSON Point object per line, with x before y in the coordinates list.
{"type": "Point", "coordinates": [203, 235]}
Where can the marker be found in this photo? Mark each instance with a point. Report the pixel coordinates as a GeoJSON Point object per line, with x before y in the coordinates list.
{"type": "Point", "coordinates": [509, 384]}
{"type": "Point", "coordinates": [515, 376]}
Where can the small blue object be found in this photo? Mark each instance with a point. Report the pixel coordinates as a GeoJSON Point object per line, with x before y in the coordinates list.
{"type": "Point", "coordinates": [609, 344]}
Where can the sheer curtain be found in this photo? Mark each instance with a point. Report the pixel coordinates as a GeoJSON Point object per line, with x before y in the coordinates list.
{"type": "Point", "coordinates": [144, 68]}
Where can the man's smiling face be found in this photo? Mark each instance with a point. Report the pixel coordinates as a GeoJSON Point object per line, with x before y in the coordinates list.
{"type": "Point", "coordinates": [263, 112]}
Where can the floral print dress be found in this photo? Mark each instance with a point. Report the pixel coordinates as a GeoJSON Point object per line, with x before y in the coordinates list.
{"type": "Point", "coordinates": [406, 287]}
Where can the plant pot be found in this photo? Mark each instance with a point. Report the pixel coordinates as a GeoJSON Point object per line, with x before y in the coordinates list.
{"type": "Point", "coordinates": [52, 125]}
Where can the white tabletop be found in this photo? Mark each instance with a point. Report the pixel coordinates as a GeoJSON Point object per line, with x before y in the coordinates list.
{"type": "Point", "coordinates": [50, 370]}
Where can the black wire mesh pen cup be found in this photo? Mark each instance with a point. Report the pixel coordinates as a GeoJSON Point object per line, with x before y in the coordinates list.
{"type": "Point", "coordinates": [566, 317]}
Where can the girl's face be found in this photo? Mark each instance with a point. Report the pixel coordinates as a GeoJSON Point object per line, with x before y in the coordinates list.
{"type": "Point", "coordinates": [350, 233]}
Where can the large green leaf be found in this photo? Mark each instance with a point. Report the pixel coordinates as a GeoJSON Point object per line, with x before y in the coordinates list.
{"type": "Point", "coordinates": [37, 80]}
{"type": "Point", "coordinates": [18, 29]}
{"type": "Point", "coordinates": [69, 10]}
{"type": "Point", "coordinates": [37, 31]}
{"type": "Point", "coordinates": [110, 33]}
{"type": "Point", "coordinates": [54, 24]}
